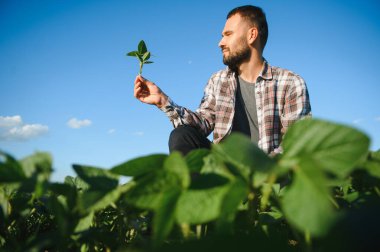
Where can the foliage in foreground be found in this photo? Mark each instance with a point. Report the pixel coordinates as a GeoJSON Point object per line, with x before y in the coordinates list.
{"type": "Point", "coordinates": [321, 194]}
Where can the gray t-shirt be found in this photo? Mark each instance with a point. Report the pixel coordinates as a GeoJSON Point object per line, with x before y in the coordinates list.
{"type": "Point", "coordinates": [245, 119]}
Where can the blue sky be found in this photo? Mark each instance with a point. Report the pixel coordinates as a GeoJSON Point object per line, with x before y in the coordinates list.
{"type": "Point", "coordinates": [66, 86]}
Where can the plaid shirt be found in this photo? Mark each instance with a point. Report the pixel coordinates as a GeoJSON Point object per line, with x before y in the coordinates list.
{"type": "Point", "coordinates": [281, 99]}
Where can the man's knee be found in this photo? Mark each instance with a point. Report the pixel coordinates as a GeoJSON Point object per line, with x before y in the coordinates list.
{"type": "Point", "coordinates": [186, 138]}
{"type": "Point", "coordinates": [180, 135]}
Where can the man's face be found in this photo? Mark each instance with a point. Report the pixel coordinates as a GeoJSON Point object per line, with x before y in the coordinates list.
{"type": "Point", "coordinates": [234, 43]}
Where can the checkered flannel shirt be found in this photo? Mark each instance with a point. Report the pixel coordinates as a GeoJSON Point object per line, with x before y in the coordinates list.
{"type": "Point", "coordinates": [281, 99]}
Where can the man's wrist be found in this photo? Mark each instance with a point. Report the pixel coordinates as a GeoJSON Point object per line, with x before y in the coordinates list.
{"type": "Point", "coordinates": [163, 101]}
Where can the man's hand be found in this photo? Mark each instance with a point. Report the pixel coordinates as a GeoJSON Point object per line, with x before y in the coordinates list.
{"type": "Point", "coordinates": [147, 92]}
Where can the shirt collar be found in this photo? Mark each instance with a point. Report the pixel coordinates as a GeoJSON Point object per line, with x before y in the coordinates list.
{"type": "Point", "coordinates": [265, 74]}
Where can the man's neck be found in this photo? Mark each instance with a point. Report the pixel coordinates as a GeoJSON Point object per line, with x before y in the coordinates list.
{"type": "Point", "coordinates": [250, 70]}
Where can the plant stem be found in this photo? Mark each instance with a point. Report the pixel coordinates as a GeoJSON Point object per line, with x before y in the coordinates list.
{"type": "Point", "coordinates": [253, 203]}
{"type": "Point", "coordinates": [377, 190]}
{"type": "Point", "coordinates": [185, 228]}
{"type": "Point", "coordinates": [199, 231]}
{"type": "Point", "coordinates": [267, 189]}
{"type": "Point", "coordinates": [141, 66]}
{"type": "Point", "coordinates": [308, 240]}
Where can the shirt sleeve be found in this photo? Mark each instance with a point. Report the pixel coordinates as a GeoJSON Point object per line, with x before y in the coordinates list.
{"type": "Point", "coordinates": [297, 104]}
{"type": "Point", "coordinates": [202, 119]}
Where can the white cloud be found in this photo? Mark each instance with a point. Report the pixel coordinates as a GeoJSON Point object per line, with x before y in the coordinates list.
{"type": "Point", "coordinates": [74, 123]}
{"type": "Point", "coordinates": [12, 128]}
{"type": "Point", "coordinates": [377, 118]}
{"type": "Point", "coordinates": [139, 133]}
{"type": "Point", "coordinates": [357, 121]}
{"type": "Point", "coordinates": [10, 121]}
{"type": "Point", "coordinates": [111, 131]}
{"type": "Point", "coordinates": [27, 131]}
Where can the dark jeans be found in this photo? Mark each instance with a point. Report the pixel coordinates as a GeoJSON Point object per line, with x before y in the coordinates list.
{"type": "Point", "coordinates": [186, 138]}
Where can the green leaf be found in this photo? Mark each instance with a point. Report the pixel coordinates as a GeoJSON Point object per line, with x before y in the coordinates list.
{"type": "Point", "coordinates": [97, 178]}
{"type": "Point", "coordinates": [238, 150]}
{"type": "Point", "coordinates": [140, 166]}
{"type": "Point", "coordinates": [64, 224]}
{"type": "Point", "coordinates": [77, 183]}
{"type": "Point", "coordinates": [139, 57]}
{"type": "Point", "coordinates": [68, 192]}
{"type": "Point", "coordinates": [149, 189]}
{"type": "Point", "coordinates": [142, 55]}
{"type": "Point", "coordinates": [213, 164]}
{"type": "Point", "coordinates": [10, 169]}
{"type": "Point", "coordinates": [372, 165]}
{"type": "Point", "coordinates": [194, 159]}
{"type": "Point", "coordinates": [37, 168]}
{"type": "Point", "coordinates": [306, 203]}
{"type": "Point", "coordinates": [209, 180]}
{"type": "Point", "coordinates": [176, 165]}
{"type": "Point", "coordinates": [84, 223]}
{"type": "Point", "coordinates": [375, 155]}
{"type": "Point", "coordinates": [142, 47]}
{"type": "Point", "coordinates": [40, 162]}
{"type": "Point", "coordinates": [133, 53]}
{"type": "Point", "coordinates": [164, 217]}
{"type": "Point", "coordinates": [201, 206]}
{"type": "Point", "coordinates": [234, 197]}
{"type": "Point", "coordinates": [146, 56]}
{"type": "Point", "coordinates": [333, 147]}
{"type": "Point", "coordinates": [94, 200]}
{"type": "Point", "coordinates": [267, 218]}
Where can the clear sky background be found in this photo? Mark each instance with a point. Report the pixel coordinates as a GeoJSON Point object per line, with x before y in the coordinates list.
{"type": "Point", "coordinates": [66, 86]}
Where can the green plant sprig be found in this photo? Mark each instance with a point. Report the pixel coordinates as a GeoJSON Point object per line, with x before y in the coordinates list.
{"type": "Point", "coordinates": [142, 54]}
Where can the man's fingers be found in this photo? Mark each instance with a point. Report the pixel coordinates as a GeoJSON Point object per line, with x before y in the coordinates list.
{"type": "Point", "coordinates": [137, 90]}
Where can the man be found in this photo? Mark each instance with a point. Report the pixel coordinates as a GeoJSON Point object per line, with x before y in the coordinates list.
{"type": "Point", "coordinates": [250, 96]}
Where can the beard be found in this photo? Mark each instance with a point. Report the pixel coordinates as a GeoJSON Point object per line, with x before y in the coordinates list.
{"type": "Point", "coordinates": [235, 59]}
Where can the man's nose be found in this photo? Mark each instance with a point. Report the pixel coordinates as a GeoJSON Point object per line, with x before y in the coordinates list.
{"type": "Point", "coordinates": [221, 43]}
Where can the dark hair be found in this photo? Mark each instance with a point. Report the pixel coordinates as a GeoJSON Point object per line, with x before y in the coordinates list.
{"type": "Point", "coordinates": [256, 16]}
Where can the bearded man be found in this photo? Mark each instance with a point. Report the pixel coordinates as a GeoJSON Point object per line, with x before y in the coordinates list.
{"type": "Point", "coordinates": [249, 96]}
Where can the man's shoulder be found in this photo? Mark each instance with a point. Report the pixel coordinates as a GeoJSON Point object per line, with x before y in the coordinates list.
{"type": "Point", "coordinates": [281, 73]}
{"type": "Point", "coordinates": [223, 74]}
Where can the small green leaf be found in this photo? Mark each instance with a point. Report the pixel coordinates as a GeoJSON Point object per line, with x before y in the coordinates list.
{"type": "Point", "coordinates": [146, 56]}
{"type": "Point", "coordinates": [133, 53]}
{"type": "Point", "coordinates": [142, 47]}
{"type": "Point", "coordinates": [141, 54]}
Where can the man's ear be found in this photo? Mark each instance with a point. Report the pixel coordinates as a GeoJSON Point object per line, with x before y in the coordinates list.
{"type": "Point", "coordinates": [253, 33]}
